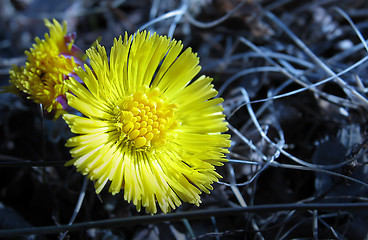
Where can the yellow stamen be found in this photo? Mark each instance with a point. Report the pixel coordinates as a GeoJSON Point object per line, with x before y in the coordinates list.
{"type": "Point", "coordinates": [145, 120]}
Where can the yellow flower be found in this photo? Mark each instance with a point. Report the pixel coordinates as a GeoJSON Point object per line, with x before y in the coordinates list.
{"type": "Point", "coordinates": [49, 63]}
{"type": "Point", "coordinates": [146, 127]}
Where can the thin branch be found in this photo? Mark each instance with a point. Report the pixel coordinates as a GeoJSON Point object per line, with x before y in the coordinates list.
{"type": "Point", "coordinates": [77, 206]}
{"type": "Point", "coordinates": [33, 164]}
{"type": "Point", "coordinates": [306, 86]}
{"type": "Point", "coordinates": [213, 23]}
{"type": "Point", "coordinates": [199, 214]}
{"type": "Point", "coordinates": [162, 18]}
{"type": "Point", "coordinates": [349, 90]}
{"type": "Point", "coordinates": [183, 10]}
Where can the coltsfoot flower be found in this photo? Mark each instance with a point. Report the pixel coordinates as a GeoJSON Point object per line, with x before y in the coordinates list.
{"type": "Point", "coordinates": [147, 127]}
{"type": "Point", "coordinates": [49, 62]}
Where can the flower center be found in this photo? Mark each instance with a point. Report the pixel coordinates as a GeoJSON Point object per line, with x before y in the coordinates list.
{"type": "Point", "coordinates": [145, 120]}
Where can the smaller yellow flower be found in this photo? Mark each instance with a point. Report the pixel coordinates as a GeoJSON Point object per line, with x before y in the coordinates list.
{"type": "Point", "coordinates": [49, 62]}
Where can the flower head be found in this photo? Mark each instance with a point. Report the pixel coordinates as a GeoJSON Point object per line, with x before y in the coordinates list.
{"type": "Point", "coordinates": [49, 62]}
{"type": "Point", "coordinates": [147, 127]}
